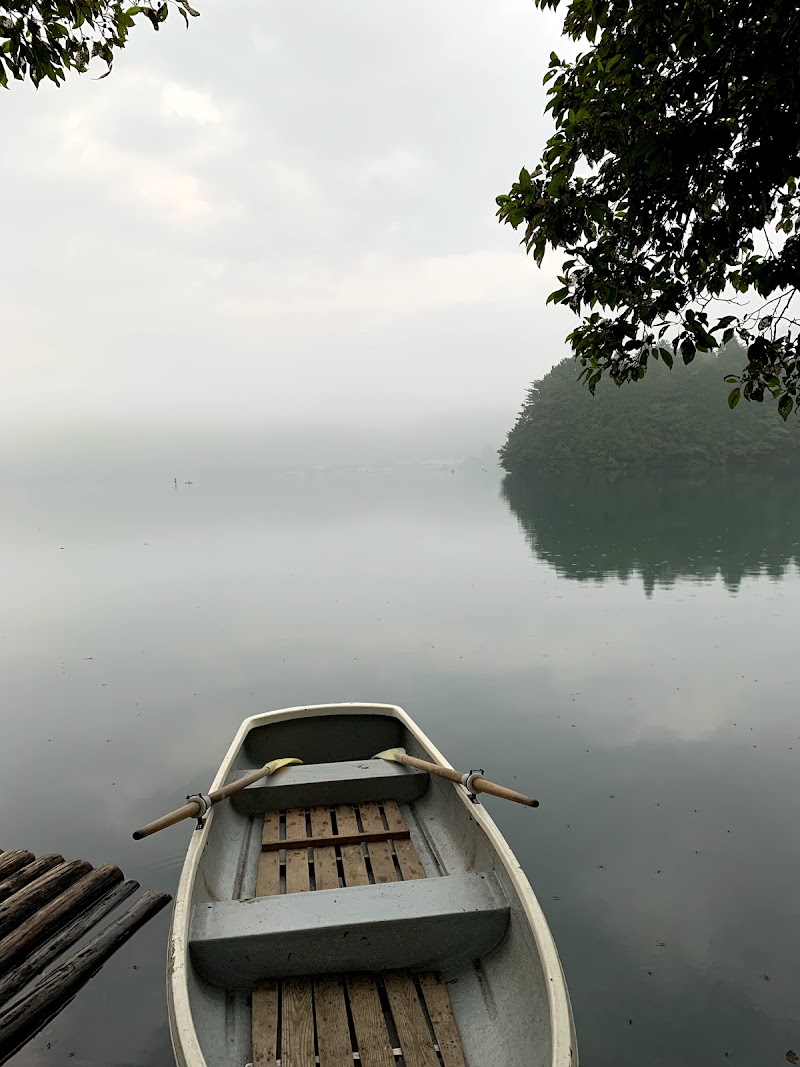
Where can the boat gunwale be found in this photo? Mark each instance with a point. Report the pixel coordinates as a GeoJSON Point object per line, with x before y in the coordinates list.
{"type": "Point", "coordinates": [187, 1049]}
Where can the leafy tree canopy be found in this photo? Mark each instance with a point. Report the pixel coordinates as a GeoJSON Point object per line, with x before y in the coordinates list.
{"type": "Point", "coordinates": [670, 422]}
{"type": "Point", "coordinates": [670, 183]}
{"type": "Point", "coordinates": [47, 38]}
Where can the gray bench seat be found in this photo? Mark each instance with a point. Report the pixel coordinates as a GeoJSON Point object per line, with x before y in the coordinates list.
{"type": "Point", "coordinates": [349, 782]}
{"type": "Point", "coordinates": [424, 924]}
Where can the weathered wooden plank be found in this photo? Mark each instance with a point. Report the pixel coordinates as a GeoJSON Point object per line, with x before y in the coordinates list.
{"type": "Point", "coordinates": [326, 875]}
{"type": "Point", "coordinates": [297, 877]}
{"type": "Point", "coordinates": [12, 861]}
{"type": "Point", "coordinates": [297, 1023]}
{"type": "Point", "coordinates": [30, 1013]}
{"type": "Point", "coordinates": [296, 824]}
{"type": "Point", "coordinates": [338, 839]}
{"type": "Point", "coordinates": [29, 874]}
{"type": "Point", "coordinates": [333, 1033]}
{"type": "Point", "coordinates": [405, 850]}
{"type": "Point", "coordinates": [409, 1018]}
{"type": "Point", "coordinates": [374, 1047]}
{"type": "Point", "coordinates": [34, 965]}
{"type": "Point", "coordinates": [268, 882]}
{"type": "Point", "coordinates": [353, 865]}
{"type": "Point", "coordinates": [380, 855]}
{"type": "Point", "coordinates": [31, 897]}
{"type": "Point", "coordinates": [440, 1010]}
{"type": "Point", "coordinates": [47, 920]}
{"type": "Point", "coordinates": [264, 1024]}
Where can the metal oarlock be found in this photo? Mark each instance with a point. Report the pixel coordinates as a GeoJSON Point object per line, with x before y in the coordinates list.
{"type": "Point", "coordinates": [205, 807]}
{"type": "Point", "coordinates": [468, 781]}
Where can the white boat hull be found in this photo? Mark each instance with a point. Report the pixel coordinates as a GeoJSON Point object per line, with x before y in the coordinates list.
{"type": "Point", "coordinates": [512, 1005]}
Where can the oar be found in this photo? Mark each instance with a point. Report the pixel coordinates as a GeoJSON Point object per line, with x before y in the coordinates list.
{"type": "Point", "coordinates": [196, 806]}
{"type": "Point", "coordinates": [473, 782]}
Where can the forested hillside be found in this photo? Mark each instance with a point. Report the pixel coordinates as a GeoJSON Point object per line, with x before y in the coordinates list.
{"type": "Point", "coordinates": [672, 419]}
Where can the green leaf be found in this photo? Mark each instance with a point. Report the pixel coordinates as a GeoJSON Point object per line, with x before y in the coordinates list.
{"type": "Point", "coordinates": [687, 350]}
{"type": "Point", "coordinates": [734, 396]}
{"type": "Point", "coordinates": [785, 406]}
{"type": "Point", "coordinates": [666, 355]}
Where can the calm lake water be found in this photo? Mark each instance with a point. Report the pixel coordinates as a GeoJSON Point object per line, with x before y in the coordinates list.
{"type": "Point", "coordinates": [627, 653]}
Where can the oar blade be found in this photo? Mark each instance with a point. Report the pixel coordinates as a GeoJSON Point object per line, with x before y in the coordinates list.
{"type": "Point", "coordinates": [276, 764]}
{"type": "Point", "coordinates": [392, 754]}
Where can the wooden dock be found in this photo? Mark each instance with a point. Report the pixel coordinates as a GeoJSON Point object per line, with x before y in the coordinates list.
{"type": "Point", "coordinates": [47, 905]}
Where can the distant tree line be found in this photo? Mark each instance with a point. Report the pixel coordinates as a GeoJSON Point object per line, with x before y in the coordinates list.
{"type": "Point", "coordinates": [667, 421]}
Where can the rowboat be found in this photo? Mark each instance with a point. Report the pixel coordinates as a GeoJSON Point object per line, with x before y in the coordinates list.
{"type": "Point", "coordinates": [351, 910]}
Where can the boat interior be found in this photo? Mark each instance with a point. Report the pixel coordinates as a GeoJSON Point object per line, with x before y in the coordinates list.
{"type": "Point", "coordinates": [351, 910]}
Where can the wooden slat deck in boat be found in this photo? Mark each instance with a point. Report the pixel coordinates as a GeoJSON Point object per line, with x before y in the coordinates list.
{"type": "Point", "coordinates": [394, 1019]}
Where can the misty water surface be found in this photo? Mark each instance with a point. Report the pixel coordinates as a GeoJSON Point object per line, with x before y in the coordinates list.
{"type": "Point", "coordinates": [625, 653]}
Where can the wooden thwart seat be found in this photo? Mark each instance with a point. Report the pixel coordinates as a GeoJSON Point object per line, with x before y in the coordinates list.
{"type": "Point", "coordinates": [346, 782]}
{"type": "Point", "coordinates": [424, 924]}
{"type": "Point", "coordinates": [394, 1019]}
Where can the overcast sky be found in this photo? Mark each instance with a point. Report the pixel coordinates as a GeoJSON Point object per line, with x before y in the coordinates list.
{"type": "Point", "coordinates": [284, 214]}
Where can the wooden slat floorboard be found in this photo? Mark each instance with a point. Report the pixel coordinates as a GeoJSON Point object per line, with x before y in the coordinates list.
{"type": "Point", "coordinates": [297, 880]}
{"type": "Point", "coordinates": [409, 1018]}
{"type": "Point", "coordinates": [437, 1001]}
{"type": "Point", "coordinates": [355, 869]}
{"type": "Point", "coordinates": [333, 1033]}
{"type": "Point", "coordinates": [406, 852]}
{"type": "Point", "coordinates": [265, 1024]}
{"type": "Point", "coordinates": [297, 1023]}
{"type": "Point", "coordinates": [380, 855]}
{"type": "Point", "coordinates": [374, 1047]}
{"type": "Point", "coordinates": [326, 874]}
{"type": "Point", "coordinates": [268, 883]}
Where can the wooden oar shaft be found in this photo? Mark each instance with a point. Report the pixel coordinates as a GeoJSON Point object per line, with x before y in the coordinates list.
{"type": "Point", "coordinates": [240, 783]}
{"type": "Point", "coordinates": [192, 808]}
{"type": "Point", "coordinates": [479, 784]}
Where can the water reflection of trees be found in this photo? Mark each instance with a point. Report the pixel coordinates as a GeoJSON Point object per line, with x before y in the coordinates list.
{"type": "Point", "coordinates": [660, 529]}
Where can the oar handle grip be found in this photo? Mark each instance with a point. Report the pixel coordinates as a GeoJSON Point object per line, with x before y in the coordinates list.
{"type": "Point", "coordinates": [479, 784]}
{"type": "Point", "coordinates": [190, 810]}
